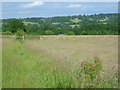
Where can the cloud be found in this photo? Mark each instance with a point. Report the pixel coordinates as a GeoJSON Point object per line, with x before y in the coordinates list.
{"type": "Point", "coordinates": [61, 0]}
{"type": "Point", "coordinates": [24, 12]}
{"type": "Point", "coordinates": [33, 4]}
{"type": "Point", "coordinates": [74, 5]}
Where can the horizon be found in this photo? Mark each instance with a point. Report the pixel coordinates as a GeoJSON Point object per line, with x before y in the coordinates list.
{"type": "Point", "coordinates": [55, 9]}
{"type": "Point", "coordinates": [59, 16]}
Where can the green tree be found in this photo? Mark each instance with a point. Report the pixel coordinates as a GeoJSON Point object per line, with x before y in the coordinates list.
{"type": "Point", "coordinates": [15, 24]}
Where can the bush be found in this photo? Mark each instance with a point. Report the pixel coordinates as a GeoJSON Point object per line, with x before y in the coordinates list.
{"type": "Point", "coordinates": [83, 33]}
{"type": "Point", "coordinates": [90, 71]}
{"type": "Point", "coordinates": [19, 35]}
{"type": "Point", "coordinates": [7, 33]}
{"type": "Point", "coordinates": [70, 33]}
{"type": "Point", "coordinates": [49, 32]}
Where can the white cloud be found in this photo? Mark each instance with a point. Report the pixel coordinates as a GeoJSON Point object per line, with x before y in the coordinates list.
{"type": "Point", "coordinates": [74, 5]}
{"type": "Point", "coordinates": [24, 12]}
{"type": "Point", "coordinates": [61, 0]}
{"type": "Point", "coordinates": [33, 4]}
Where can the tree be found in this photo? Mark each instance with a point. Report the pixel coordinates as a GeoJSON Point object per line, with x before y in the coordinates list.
{"type": "Point", "coordinates": [89, 25]}
{"type": "Point", "coordinates": [15, 24]}
{"type": "Point", "coordinates": [76, 30]}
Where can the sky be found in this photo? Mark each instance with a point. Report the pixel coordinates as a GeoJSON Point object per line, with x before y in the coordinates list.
{"type": "Point", "coordinates": [61, 0]}
{"type": "Point", "coordinates": [50, 9]}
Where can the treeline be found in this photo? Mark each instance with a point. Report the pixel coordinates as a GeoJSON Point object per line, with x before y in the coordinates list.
{"type": "Point", "coordinates": [102, 24]}
{"type": "Point", "coordinates": [84, 19]}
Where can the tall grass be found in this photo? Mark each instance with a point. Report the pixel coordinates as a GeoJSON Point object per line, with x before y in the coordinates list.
{"type": "Point", "coordinates": [27, 68]}
{"type": "Point", "coordinates": [0, 63]}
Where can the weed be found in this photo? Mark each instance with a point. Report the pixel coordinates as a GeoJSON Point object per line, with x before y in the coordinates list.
{"type": "Point", "coordinates": [91, 70]}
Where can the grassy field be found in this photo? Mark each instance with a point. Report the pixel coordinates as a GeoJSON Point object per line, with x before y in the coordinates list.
{"type": "Point", "coordinates": [0, 63]}
{"type": "Point", "coordinates": [75, 20]}
{"type": "Point", "coordinates": [60, 63]}
{"type": "Point", "coordinates": [56, 23]}
{"type": "Point", "coordinates": [26, 23]}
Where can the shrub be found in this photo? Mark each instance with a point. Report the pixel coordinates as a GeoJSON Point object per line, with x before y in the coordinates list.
{"type": "Point", "coordinates": [49, 32]}
{"type": "Point", "coordinates": [19, 35]}
{"type": "Point", "coordinates": [7, 33]}
{"type": "Point", "coordinates": [70, 33]}
{"type": "Point", "coordinates": [91, 70]}
{"type": "Point", "coordinates": [83, 33]}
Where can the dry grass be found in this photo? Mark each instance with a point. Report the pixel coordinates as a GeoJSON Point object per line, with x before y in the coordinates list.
{"type": "Point", "coordinates": [76, 50]}
{"type": "Point", "coordinates": [54, 63]}
{"type": "Point", "coordinates": [0, 63]}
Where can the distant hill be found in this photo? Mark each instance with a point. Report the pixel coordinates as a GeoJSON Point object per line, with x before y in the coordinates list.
{"type": "Point", "coordinates": [75, 20]}
{"type": "Point", "coordinates": [79, 24]}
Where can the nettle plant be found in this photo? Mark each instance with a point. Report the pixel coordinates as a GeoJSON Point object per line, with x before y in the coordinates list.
{"type": "Point", "coordinates": [90, 71]}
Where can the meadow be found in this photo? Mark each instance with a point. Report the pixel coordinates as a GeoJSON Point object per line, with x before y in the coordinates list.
{"type": "Point", "coordinates": [77, 62]}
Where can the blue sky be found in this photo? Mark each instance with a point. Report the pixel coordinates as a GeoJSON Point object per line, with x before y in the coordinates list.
{"type": "Point", "coordinates": [49, 9]}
